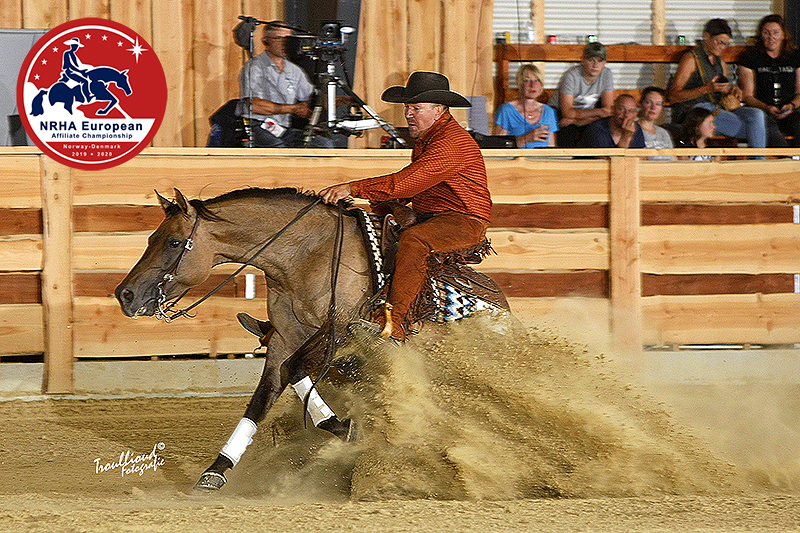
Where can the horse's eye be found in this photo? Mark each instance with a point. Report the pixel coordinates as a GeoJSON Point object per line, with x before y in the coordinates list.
{"type": "Point", "coordinates": [174, 243]}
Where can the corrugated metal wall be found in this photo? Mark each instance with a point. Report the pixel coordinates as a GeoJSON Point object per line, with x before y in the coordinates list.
{"type": "Point", "coordinates": [625, 21]}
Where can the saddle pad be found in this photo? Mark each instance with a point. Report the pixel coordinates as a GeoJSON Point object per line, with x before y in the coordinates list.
{"type": "Point", "coordinates": [455, 304]}
{"type": "Point", "coordinates": [452, 291]}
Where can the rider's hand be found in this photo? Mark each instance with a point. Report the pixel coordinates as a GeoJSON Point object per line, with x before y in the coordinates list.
{"type": "Point", "coordinates": [333, 194]}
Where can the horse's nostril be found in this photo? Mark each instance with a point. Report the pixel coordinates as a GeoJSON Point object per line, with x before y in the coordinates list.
{"type": "Point", "coordinates": [127, 295]}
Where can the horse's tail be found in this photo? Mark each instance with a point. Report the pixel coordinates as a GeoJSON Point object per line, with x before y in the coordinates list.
{"type": "Point", "coordinates": [37, 107]}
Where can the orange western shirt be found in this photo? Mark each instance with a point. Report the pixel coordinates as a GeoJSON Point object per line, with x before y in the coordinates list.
{"type": "Point", "coordinates": [446, 173]}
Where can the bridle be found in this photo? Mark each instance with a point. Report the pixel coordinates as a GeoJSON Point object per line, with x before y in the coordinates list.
{"type": "Point", "coordinates": [164, 308]}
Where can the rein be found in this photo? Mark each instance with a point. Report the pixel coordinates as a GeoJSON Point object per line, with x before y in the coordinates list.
{"type": "Point", "coordinates": [330, 350]}
{"type": "Point", "coordinates": [164, 309]}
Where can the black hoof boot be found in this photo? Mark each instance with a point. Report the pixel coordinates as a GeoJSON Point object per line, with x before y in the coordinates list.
{"type": "Point", "coordinates": [214, 477]}
{"type": "Point", "coordinates": [344, 429]}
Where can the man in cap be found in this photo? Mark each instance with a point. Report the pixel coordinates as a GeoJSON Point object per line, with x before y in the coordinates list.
{"type": "Point", "coordinates": [445, 183]}
{"type": "Point", "coordinates": [584, 94]}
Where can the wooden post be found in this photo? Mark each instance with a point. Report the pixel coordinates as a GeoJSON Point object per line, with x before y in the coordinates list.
{"type": "Point", "coordinates": [57, 276]}
{"type": "Point", "coordinates": [659, 37]}
{"type": "Point", "coordinates": [625, 275]}
{"type": "Point", "coordinates": [537, 13]}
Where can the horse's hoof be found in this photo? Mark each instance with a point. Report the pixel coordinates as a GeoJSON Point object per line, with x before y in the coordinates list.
{"type": "Point", "coordinates": [210, 482]}
{"type": "Point", "coordinates": [344, 429]}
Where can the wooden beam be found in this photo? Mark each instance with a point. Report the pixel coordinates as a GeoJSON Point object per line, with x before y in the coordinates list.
{"type": "Point", "coordinates": [723, 318]}
{"type": "Point", "coordinates": [625, 271]}
{"type": "Point", "coordinates": [27, 221]}
{"type": "Point", "coordinates": [550, 215]}
{"type": "Point", "coordinates": [694, 284]}
{"type": "Point", "coordinates": [749, 249]}
{"type": "Point", "coordinates": [57, 294]}
{"type": "Point", "coordinates": [21, 329]}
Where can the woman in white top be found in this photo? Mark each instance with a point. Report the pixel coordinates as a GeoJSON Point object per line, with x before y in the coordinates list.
{"type": "Point", "coordinates": [651, 106]}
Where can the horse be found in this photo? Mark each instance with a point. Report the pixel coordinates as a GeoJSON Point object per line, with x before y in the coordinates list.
{"type": "Point", "coordinates": [99, 79]}
{"type": "Point", "coordinates": [302, 237]}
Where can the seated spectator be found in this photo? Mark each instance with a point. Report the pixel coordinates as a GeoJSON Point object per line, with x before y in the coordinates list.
{"type": "Point", "coordinates": [651, 107]}
{"type": "Point", "coordinates": [698, 126]}
{"type": "Point", "coordinates": [692, 86]}
{"type": "Point", "coordinates": [530, 121]}
{"type": "Point", "coordinates": [272, 90]}
{"type": "Point", "coordinates": [584, 94]}
{"type": "Point", "coordinates": [620, 130]}
{"type": "Point", "coordinates": [769, 75]}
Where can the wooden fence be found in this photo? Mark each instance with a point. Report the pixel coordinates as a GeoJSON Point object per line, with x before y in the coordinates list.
{"type": "Point", "coordinates": [683, 252]}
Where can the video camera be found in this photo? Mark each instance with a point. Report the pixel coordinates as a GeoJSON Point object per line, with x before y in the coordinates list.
{"type": "Point", "coordinates": [328, 46]}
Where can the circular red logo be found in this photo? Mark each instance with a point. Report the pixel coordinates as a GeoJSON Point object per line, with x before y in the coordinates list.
{"type": "Point", "coordinates": [91, 93]}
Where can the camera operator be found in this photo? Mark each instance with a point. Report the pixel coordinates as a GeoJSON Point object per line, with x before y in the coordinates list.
{"type": "Point", "coordinates": [272, 88]}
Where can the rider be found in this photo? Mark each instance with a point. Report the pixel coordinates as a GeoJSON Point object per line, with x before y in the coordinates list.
{"type": "Point", "coordinates": [73, 69]}
{"type": "Point", "coordinates": [445, 181]}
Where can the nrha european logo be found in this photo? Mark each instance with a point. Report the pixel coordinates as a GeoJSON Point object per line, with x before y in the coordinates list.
{"type": "Point", "coordinates": [91, 93]}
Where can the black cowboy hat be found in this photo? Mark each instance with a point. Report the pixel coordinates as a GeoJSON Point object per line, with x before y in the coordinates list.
{"type": "Point", "coordinates": [429, 87]}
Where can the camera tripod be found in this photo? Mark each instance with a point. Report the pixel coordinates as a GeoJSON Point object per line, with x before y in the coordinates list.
{"type": "Point", "coordinates": [353, 123]}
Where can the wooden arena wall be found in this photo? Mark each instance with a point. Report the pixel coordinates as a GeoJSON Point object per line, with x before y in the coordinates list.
{"type": "Point", "coordinates": [682, 252]}
{"type": "Point", "coordinates": [194, 42]}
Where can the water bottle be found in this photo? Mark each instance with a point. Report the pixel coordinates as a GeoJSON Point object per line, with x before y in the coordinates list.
{"type": "Point", "coordinates": [528, 34]}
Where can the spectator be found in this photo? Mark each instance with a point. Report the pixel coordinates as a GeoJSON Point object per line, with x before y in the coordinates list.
{"type": "Point", "coordinates": [530, 121]}
{"type": "Point", "coordinates": [769, 75]}
{"type": "Point", "coordinates": [620, 130]}
{"type": "Point", "coordinates": [651, 107]}
{"type": "Point", "coordinates": [698, 126]}
{"type": "Point", "coordinates": [584, 94]}
{"type": "Point", "coordinates": [272, 89]}
{"type": "Point", "coordinates": [692, 86]}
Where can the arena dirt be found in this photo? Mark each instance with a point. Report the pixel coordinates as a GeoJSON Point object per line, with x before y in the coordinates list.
{"type": "Point", "coordinates": [464, 430]}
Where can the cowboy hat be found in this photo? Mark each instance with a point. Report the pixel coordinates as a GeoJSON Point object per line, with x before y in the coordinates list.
{"type": "Point", "coordinates": [428, 87]}
{"type": "Point", "coordinates": [72, 41]}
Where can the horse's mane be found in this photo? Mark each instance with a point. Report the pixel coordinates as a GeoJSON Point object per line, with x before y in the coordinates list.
{"type": "Point", "coordinates": [203, 206]}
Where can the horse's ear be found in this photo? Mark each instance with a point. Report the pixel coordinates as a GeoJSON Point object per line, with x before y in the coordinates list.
{"type": "Point", "coordinates": [180, 199]}
{"type": "Point", "coordinates": [165, 204]}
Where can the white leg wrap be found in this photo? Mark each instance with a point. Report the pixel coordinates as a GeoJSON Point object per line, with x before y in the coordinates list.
{"type": "Point", "coordinates": [317, 408]}
{"type": "Point", "coordinates": [241, 437]}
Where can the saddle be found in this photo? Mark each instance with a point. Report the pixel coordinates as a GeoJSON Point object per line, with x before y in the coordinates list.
{"type": "Point", "coordinates": [453, 289]}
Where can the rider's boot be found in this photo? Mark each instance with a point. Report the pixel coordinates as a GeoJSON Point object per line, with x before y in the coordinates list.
{"type": "Point", "coordinates": [385, 325]}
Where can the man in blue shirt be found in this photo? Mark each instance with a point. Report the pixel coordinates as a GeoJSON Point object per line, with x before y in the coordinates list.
{"type": "Point", "coordinates": [620, 130]}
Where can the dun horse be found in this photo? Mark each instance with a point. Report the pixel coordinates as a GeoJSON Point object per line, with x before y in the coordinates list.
{"type": "Point", "coordinates": [301, 236]}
